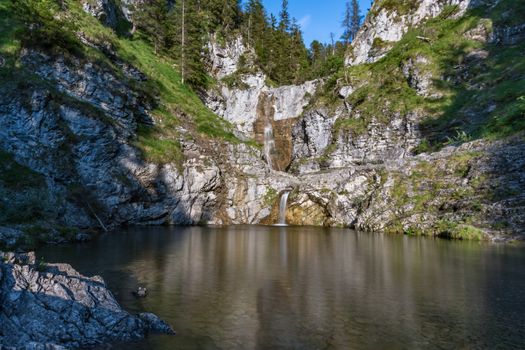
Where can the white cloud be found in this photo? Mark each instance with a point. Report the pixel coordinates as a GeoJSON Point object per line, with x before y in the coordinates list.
{"type": "Point", "coordinates": [305, 21]}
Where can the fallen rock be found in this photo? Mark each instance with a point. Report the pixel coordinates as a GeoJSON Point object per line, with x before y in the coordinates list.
{"type": "Point", "coordinates": [52, 306]}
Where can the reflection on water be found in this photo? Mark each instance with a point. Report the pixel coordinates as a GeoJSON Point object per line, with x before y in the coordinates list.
{"type": "Point", "coordinates": [311, 288]}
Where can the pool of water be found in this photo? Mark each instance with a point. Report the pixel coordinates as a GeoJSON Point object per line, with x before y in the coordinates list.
{"type": "Point", "coordinates": [256, 287]}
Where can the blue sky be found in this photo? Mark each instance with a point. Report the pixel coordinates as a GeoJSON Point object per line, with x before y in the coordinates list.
{"type": "Point", "coordinates": [318, 18]}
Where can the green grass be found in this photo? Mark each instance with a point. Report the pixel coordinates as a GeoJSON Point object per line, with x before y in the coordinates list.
{"type": "Point", "coordinates": [461, 231]}
{"type": "Point", "coordinates": [9, 43]}
{"type": "Point", "coordinates": [402, 7]}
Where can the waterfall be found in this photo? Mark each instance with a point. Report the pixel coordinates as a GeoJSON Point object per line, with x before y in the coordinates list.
{"type": "Point", "coordinates": [282, 208]}
{"type": "Point", "coordinates": [269, 144]}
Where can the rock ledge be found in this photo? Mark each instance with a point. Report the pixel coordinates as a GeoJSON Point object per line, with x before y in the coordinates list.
{"type": "Point", "coordinates": [52, 306]}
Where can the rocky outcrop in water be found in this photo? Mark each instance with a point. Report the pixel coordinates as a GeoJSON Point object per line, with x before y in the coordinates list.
{"type": "Point", "coordinates": [52, 306]}
{"type": "Point", "coordinates": [442, 193]}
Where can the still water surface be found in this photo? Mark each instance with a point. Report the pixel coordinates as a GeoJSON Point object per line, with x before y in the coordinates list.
{"type": "Point", "coordinates": [260, 287]}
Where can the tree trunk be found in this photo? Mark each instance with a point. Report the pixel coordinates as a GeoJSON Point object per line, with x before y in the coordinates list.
{"type": "Point", "coordinates": [183, 38]}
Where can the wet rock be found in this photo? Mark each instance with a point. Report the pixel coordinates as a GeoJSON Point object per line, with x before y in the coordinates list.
{"type": "Point", "coordinates": [52, 306]}
{"type": "Point", "coordinates": [83, 237]}
{"type": "Point", "coordinates": [9, 236]}
{"type": "Point", "coordinates": [141, 292]}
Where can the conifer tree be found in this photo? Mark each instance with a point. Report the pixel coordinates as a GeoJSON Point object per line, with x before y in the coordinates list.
{"type": "Point", "coordinates": [190, 39]}
{"type": "Point", "coordinates": [351, 21]}
{"type": "Point", "coordinates": [155, 18]}
{"type": "Point", "coordinates": [284, 17]}
{"type": "Point", "coordinates": [347, 24]}
{"type": "Point", "coordinates": [255, 18]}
{"type": "Point", "coordinates": [356, 19]}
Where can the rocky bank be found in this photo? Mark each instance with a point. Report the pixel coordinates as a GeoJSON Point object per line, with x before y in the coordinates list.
{"type": "Point", "coordinates": [52, 306]}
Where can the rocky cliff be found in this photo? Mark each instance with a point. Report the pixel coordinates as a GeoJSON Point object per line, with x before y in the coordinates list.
{"type": "Point", "coordinates": [366, 147]}
{"type": "Point", "coordinates": [416, 135]}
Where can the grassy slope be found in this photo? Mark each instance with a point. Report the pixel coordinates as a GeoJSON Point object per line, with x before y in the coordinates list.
{"type": "Point", "coordinates": [498, 81]}
{"type": "Point", "coordinates": [176, 103]}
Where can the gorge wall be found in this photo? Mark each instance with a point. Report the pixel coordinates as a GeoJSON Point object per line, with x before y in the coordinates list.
{"type": "Point", "coordinates": [363, 148]}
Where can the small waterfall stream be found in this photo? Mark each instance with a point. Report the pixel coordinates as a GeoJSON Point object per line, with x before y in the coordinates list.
{"type": "Point", "coordinates": [269, 144]}
{"type": "Point", "coordinates": [282, 208]}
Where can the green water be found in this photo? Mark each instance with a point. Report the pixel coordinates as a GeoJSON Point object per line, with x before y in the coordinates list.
{"type": "Point", "coordinates": [311, 288]}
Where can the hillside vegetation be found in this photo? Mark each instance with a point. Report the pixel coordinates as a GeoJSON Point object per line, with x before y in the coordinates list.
{"type": "Point", "coordinates": [476, 90]}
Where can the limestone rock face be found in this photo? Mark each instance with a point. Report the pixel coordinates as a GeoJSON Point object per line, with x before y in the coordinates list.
{"type": "Point", "coordinates": [82, 146]}
{"type": "Point", "coordinates": [239, 105]}
{"type": "Point", "coordinates": [109, 12]}
{"type": "Point", "coordinates": [385, 25]}
{"type": "Point", "coordinates": [319, 145]}
{"type": "Point", "coordinates": [52, 306]}
{"type": "Point", "coordinates": [224, 60]}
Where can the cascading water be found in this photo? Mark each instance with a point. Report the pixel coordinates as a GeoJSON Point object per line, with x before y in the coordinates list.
{"type": "Point", "coordinates": [269, 144]}
{"type": "Point", "coordinates": [282, 208]}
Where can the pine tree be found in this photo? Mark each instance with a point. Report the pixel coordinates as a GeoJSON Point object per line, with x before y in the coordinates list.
{"type": "Point", "coordinates": [356, 19]}
{"type": "Point", "coordinates": [351, 21]}
{"type": "Point", "coordinates": [347, 24]}
{"type": "Point", "coordinates": [155, 18]}
{"type": "Point", "coordinates": [190, 39]}
{"type": "Point", "coordinates": [255, 17]}
{"type": "Point", "coordinates": [284, 17]}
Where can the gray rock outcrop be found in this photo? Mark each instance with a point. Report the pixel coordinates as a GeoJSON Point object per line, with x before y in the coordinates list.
{"type": "Point", "coordinates": [239, 102]}
{"type": "Point", "coordinates": [386, 25]}
{"type": "Point", "coordinates": [52, 306]}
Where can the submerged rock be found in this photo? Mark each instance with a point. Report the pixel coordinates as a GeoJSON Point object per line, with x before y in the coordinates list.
{"type": "Point", "coordinates": [52, 306]}
{"type": "Point", "coordinates": [141, 292]}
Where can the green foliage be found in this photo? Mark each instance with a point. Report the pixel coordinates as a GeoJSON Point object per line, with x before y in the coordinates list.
{"type": "Point", "coordinates": [280, 49]}
{"type": "Point", "coordinates": [402, 7]}
{"type": "Point", "coordinates": [270, 196]}
{"type": "Point", "coordinates": [351, 21]}
{"type": "Point", "coordinates": [156, 19]}
{"type": "Point", "coordinates": [355, 126]}
{"type": "Point", "coordinates": [24, 191]}
{"type": "Point", "coordinates": [45, 24]}
{"type": "Point", "coordinates": [461, 231]}
{"type": "Point", "coordinates": [16, 176]}
{"type": "Point", "coordinates": [157, 149]}
{"type": "Point", "coordinates": [41, 265]}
